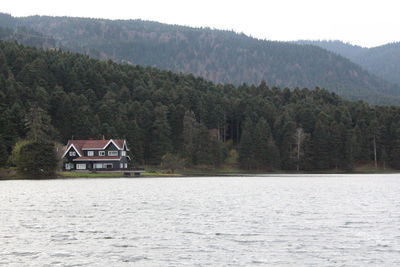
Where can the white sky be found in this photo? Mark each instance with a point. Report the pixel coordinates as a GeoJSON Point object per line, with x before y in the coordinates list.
{"type": "Point", "coordinates": [366, 23]}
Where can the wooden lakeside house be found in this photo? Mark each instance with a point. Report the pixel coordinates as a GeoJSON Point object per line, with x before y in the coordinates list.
{"type": "Point", "coordinates": [96, 155]}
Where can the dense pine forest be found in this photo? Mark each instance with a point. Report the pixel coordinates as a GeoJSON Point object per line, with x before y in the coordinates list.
{"type": "Point", "coordinates": [160, 112]}
{"type": "Point", "coordinates": [219, 56]}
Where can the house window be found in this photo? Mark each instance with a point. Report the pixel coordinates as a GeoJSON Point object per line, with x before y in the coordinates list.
{"type": "Point", "coordinates": [90, 153]}
{"type": "Point", "coordinates": [113, 153]}
{"type": "Point", "coordinates": [126, 165]}
{"type": "Point", "coordinates": [69, 166]}
{"type": "Point", "coordinates": [108, 165]}
{"type": "Point", "coordinates": [121, 165]}
{"type": "Point", "coordinates": [123, 153]}
{"type": "Point", "coordinates": [98, 165]}
{"type": "Point", "coordinates": [72, 153]}
{"type": "Point", "coordinates": [102, 153]}
{"type": "Point", "coordinates": [81, 166]}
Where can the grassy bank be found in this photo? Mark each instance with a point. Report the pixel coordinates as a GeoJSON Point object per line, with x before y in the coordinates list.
{"type": "Point", "coordinates": [229, 169]}
{"type": "Point", "coordinates": [87, 175]}
{"type": "Point", "coordinates": [9, 174]}
{"type": "Point", "coordinates": [370, 168]}
{"type": "Point", "coordinates": [12, 174]}
{"type": "Point", "coordinates": [111, 175]}
{"type": "Point", "coordinates": [233, 169]}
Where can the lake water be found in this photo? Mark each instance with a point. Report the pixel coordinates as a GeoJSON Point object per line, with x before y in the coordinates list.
{"type": "Point", "coordinates": [302, 220]}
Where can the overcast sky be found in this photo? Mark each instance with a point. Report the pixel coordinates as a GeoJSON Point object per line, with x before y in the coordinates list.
{"type": "Point", "coordinates": [366, 23]}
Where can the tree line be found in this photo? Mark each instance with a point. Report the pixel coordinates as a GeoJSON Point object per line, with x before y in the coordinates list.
{"type": "Point", "coordinates": [160, 113]}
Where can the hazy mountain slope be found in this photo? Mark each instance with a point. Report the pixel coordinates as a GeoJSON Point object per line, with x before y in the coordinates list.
{"type": "Point", "coordinates": [221, 56]}
{"type": "Point", "coordinates": [344, 49]}
{"type": "Point", "coordinates": [6, 20]}
{"type": "Point", "coordinates": [27, 37]}
{"type": "Point", "coordinates": [382, 61]}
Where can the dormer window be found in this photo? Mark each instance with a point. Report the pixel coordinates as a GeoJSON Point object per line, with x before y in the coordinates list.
{"type": "Point", "coordinates": [113, 153]}
{"type": "Point", "coordinates": [123, 153]}
{"type": "Point", "coordinates": [102, 153]}
{"type": "Point", "coordinates": [90, 153]}
{"type": "Point", "coordinates": [72, 153]}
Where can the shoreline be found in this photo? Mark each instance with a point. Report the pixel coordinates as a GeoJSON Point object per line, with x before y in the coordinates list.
{"type": "Point", "coordinates": [11, 174]}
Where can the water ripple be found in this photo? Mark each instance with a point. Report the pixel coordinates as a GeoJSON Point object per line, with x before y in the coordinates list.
{"type": "Point", "coordinates": [317, 220]}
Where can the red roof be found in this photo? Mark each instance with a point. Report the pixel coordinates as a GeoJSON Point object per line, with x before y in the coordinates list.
{"type": "Point", "coordinates": [97, 158]}
{"type": "Point", "coordinates": [93, 144]}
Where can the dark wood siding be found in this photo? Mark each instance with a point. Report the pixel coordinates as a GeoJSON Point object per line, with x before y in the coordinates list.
{"type": "Point", "coordinates": [90, 164]}
{"type": "Point", "coordinates": [70, 158]}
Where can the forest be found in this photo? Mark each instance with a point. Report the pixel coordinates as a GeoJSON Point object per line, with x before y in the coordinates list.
{"type": "Point", "coordinates": [161, 112]}
{"type": "Point", "coordinates": [217, 55]}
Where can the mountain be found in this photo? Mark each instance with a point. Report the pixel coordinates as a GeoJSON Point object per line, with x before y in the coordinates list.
{"type": "Point", "coordinates": [382, 61]}
{"type": "Point", "coordinates": [27, 36]}
{"type": "Point", "coordinates": [220, 56]}
{"type": "Point", "coordinates": [61, 95]}
{"type": "Point", "coordinates": [11, 31]}
{"type": "Point", "coordinates": [344, 49]}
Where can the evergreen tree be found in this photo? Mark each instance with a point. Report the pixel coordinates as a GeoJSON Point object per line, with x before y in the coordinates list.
{"type": "Point", "coordinates": [37, 160]}
{"type": "Point", "coordinates": [307, 160]}
{"type": "Point", "coordinates": [321, 143]}
{"type": "Point", "coordinates": [373, 136]}
{"type": "Point", "coordinates": [347, 156]}
{"type": "Point", "coordinates": [202, 143]}
{"type": "Point", "coordinates": [160, 143]}
{"type": "Point", "coordinates": [336, 143]}
{"type": "Point", "coordinates": [218, 152]}
{"type": "Point", "coordinates": [39, 125]}
{"type": "Point", "coordinates": [261, 153]}
{"type": "Point", "coordinates": [3, 152]}
{"type": "Point", "coordinates": [246, 147]}
{"type": "Point", "coordinates": [395, 156]}
{"type": "Point", "coordinates": [135, 139]}
{"type": "Point", "coordinates": [273, 158]}
{"type": "Point", "coordinates": [191, 130]}
{"type": "Point", "coordinates": [176, 123]}
{"type": "Point", "coordinates": [285, 132]}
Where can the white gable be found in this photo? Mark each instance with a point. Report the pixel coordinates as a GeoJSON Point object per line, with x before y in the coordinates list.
{"type": "Point", "coordinates": [69, 148]}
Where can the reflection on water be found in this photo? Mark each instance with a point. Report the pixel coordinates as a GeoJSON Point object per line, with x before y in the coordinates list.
{"type": "Point", "coordinates": [319, 220]}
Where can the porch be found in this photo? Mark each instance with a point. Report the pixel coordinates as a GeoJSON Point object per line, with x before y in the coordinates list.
{"type": "Point", "coordinates": [96, 166]}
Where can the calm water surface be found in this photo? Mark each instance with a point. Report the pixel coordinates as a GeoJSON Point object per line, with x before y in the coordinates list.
{"type": "Point", "coordinates": [320, 220]}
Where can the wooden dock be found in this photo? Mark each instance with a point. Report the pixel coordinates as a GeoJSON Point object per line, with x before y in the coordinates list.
{"type": "Point", "coordinates": [134, 172]}
{"type": "Point", "coordinates": [127, 173]}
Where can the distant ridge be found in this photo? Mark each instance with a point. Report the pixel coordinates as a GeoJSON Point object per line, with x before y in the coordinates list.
{"type": "Point", "coordinates": [341, 48]}
{"type": "Point", "coordinates": [220, 56]}
{"type": "Point", "coordinates": [382, 61]}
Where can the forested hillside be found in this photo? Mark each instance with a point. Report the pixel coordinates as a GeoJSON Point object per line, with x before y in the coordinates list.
{"type": "Point", "coordinates": [11, 31]}
{"type": "Point", "coordinates": [27, 37]}
{"type": "Point", "coordinates": [68, 96]}
{"type": "Point", "coordinates": [382, 61]}
{"type": "Point", "coordinates": [345, 49]}
{"type": "Point", "coordinates": [220, 56]}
